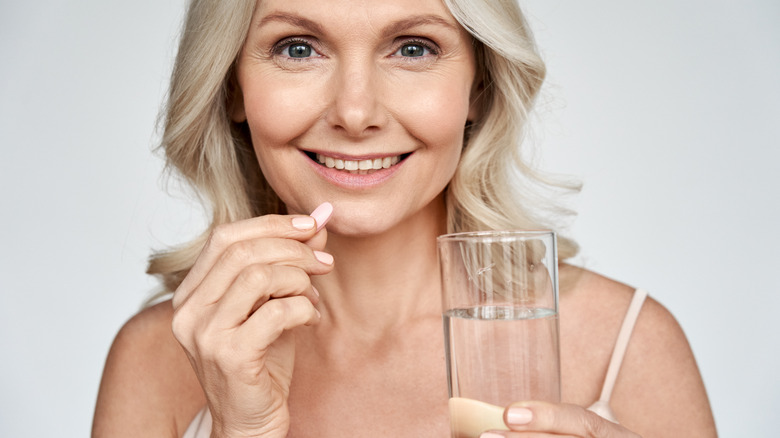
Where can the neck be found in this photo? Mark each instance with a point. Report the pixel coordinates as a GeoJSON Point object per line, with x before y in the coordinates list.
{"type": "Point", "coordinates": [384, 280]}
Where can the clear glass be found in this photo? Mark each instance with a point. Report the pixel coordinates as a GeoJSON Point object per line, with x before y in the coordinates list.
{"type": "Point", "coordinates": [500, 313]}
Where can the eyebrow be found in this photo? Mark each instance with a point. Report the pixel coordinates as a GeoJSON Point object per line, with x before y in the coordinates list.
{"type": "Point", "coordinates": [292, 19]}
{"type": "Point", "coordinates": [397, 27]}
{"type": "Point", "coordinates": [421, 20]}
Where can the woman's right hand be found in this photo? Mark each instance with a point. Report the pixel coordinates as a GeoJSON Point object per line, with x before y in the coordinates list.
{"type": "Point", "coordinates": [233, 312]}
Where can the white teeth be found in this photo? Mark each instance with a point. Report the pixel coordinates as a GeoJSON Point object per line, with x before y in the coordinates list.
{"type": "Point", "coordinates": [358, 166]}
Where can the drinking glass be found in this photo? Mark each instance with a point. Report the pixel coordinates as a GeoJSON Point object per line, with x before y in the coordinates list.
{"type": "Point", "coordinates": [500, 312]}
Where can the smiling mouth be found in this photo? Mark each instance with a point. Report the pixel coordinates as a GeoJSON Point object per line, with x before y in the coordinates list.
{"type": "Point", "coordinates": [357, 167]}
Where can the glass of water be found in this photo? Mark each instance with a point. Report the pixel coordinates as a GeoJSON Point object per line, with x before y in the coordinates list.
{"type": "Point", "coordinates": [500, 312]}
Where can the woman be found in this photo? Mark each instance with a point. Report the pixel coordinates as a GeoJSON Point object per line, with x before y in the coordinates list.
{"type": "Point", "coordinates": [392, 123]}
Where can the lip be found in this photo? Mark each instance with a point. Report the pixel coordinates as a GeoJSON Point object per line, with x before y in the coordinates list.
{"type": "Point", "coordinates": [348, 180]}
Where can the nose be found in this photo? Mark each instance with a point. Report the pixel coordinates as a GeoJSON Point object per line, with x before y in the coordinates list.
{"type": "Point", "coordinates": [356, 109]}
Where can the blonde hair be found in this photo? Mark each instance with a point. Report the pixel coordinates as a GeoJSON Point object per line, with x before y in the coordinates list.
{"type": "Point", "coordinates": [215, 156]}
{"type": "Point", "coordinates": [494, 188]}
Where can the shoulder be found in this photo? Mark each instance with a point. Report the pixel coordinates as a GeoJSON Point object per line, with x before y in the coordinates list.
{"type": "Point", "coordinates": [148, 386]}
{"type": "Point", "coordinates": [601, 303]}
{"type": "Point", "coordinates": [592, 306]}
{"type": "Point", "coordinates": [659, 390]}
{"type": "Point", "coordinates": [592, 309]}
{"type": "Point", "coordinates": [597, 305]}
{"type": "Point", "coordinates": [147, 341]}
{"type": "Point", "coordinates": [660, 387]}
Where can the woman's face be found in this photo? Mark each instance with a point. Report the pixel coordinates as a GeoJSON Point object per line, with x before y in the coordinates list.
{"type": "Point", "coordinates": [358, 102]}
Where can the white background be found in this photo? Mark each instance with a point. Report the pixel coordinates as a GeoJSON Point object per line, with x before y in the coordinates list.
{"type": "Point", "coordinates": [668, 112]}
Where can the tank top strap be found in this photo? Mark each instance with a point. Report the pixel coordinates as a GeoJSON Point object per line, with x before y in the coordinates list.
{"type": "Point", "coordinates": [601, 406]}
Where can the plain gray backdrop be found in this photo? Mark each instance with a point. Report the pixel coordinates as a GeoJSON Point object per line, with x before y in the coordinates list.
{"type": "Point", "coordinates": [667, 111]}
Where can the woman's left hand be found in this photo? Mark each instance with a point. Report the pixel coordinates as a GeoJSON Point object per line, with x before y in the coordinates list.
{"type": "Point", "coordinates": [541, 419]}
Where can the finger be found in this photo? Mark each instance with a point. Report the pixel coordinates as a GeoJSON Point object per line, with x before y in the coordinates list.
{"type": "Point", "coordinates": [318, 241]}
{"type": "Point", "coordinates": [270, 251]}
{"type": "Point", "coordinates": [469, 417]}
{"type": "Point", "coordinates": [225, 235]}
{"type": "Point", "coordinates": [257, 284]}
{"type": "Point", "coordinates": [561, 419]}
{"type": "Point", "coordinates": [298, 227]}
{"type": "Point", "coordinates": [272, 318]}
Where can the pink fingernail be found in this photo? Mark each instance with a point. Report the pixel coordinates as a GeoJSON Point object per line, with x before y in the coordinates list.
{"type": "Point", "coordinates": [491, 435]}
{"type": "Point", "coordinates": [519, 416]}
{"type": "Point", "coordinates": [322, 214]}
{"type": "Point", "coordinates": [316, 292]}
{"type": "Point", "coordinates": [324, 257]}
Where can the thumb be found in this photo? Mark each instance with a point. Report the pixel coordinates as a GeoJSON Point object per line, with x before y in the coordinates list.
{"type": "Point", "coordinates": [562, 419]}
{"type": "Point", "coordinates": [321, 215]}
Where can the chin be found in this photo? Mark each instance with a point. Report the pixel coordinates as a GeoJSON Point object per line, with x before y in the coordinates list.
{"type": "Point", "coordinates": [361, 219]}
{"type": "Point", "coordinates": [360, 226]}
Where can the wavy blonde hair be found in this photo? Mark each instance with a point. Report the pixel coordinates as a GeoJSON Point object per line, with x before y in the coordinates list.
{"type": "Point", "coordinates": [493, 187]}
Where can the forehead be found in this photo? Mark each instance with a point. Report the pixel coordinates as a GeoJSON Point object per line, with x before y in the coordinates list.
{"type": "Point", "coordinates": [354, 13]}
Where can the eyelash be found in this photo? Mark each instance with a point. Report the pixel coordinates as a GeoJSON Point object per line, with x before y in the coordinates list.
{"type": "Point", "coordinates": [425, 44]}
{"type": "Point", "coordinates": [279, 48]}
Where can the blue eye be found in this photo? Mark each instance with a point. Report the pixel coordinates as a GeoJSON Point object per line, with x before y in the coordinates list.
{"type": "Point", "coordinates": [416, 49]}
{"type": "Point", "coordinates": [412, 50]}
{"type": "Point", "coordinates": [299, 50]}
{"type": "Point", "coordinates": [295, 49]}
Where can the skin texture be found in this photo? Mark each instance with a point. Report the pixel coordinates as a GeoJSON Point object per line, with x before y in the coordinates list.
{"type": "Point", "coordinates": [284, 329]}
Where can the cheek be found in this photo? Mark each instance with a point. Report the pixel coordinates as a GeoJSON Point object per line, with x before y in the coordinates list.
{"type": "Point", "coordinates": [277, 113]}
{"type": "Point", "coordinates": [436, 112]}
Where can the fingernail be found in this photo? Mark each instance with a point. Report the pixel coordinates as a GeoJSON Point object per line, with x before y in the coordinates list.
{"type": "Point", "coordinates": [322, 214]}
{"type": "Point", "coordinates": [324, 257]}
{"type": "Point", "coordinates": [316, 292]}
{"type": "Point", "coordinates": [519, 416]}
{"type": "Point", "coordinates": [491, 435]}
{"type": "Point", "coordinates": [303, 223]}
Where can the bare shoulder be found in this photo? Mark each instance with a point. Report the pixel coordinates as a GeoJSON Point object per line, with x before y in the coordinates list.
{"type": "Point", "coordinates": [659, 391]}
{"type": "Point", "coordinates": [592, 308]}
{"type": "Point", "coordinates": [148, 386]}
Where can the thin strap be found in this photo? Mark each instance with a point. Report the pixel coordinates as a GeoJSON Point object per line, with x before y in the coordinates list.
{"type": "Point", "coordinates": [601, 407]}
{"type": "Point", "coordinates": [622, 344]}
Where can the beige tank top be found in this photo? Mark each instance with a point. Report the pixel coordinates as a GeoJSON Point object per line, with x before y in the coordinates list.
{"type": "Point", "coordinates": [201, 424]}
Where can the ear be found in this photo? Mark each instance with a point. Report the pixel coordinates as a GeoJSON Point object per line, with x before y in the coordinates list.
{"type": "Point", "coordinates": [236, 108]}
